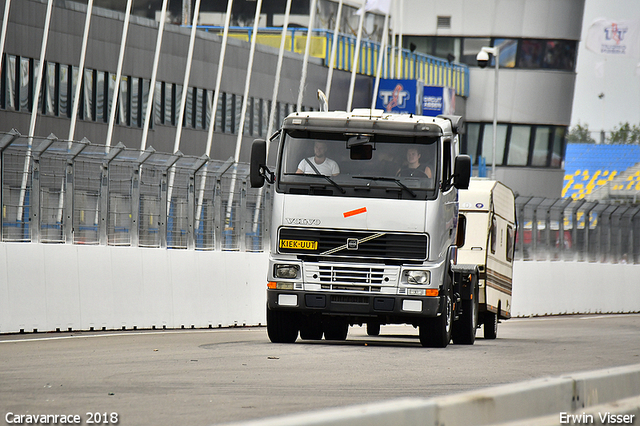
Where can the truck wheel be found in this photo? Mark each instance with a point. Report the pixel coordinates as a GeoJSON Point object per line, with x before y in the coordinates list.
{"type": "Point", "coordinates": [335, 329]}
{"type": "Point", "coordinates": [464, 330]}
{"type": "Point", "coordinates": [491, 325]}
{"type": "Point", "coordinates": [311, 328]}
{"type": "Point", "coordinates": [281, 326]}
{"type": "Point", "coordinates": [373, 329]}
{"type": "Point", "coordinates": [436, 332]}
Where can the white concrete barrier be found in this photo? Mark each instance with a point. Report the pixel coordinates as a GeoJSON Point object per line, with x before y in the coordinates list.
{"type": "Point", "coordinates": [552, 288]}
{"type": "Point", "coordinates": [546, 401]}
{"type": "Point", "coordinates": [47, 287]}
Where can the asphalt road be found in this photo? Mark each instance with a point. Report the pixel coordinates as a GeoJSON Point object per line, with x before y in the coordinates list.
{"type": "Point", "coordinates": [202, 377]}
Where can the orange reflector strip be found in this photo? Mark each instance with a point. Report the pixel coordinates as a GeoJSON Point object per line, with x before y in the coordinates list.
{"type": "Point", "coordinates": [271, 285]}
{"type": "Point", "coordinates": [432, 292]}
{"type": "Point", "coordinates": [355, 212]}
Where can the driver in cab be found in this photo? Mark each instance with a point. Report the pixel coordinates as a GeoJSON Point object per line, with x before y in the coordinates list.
{"type": "Point", "coordinates": [413, 166]}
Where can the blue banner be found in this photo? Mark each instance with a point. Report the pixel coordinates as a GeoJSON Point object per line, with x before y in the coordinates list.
{"type": "Point", "coordinates": [438, 100]}
{"type": "Point", "coordinates": [400, 96]}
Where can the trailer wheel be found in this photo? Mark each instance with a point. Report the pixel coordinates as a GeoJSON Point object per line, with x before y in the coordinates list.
{"type": "Point", "coordinates": [464, 330]}
{"type": "Point", "coordinates": [281, 326]}
{"type": "Point", "coordinates": [335, 329]}
{"type": "Point", "coordinates": [436, 332]}
{"type": "Point", "coordinates": [373, 328]}
{"type": "Point", "coordinates": [491, 324]}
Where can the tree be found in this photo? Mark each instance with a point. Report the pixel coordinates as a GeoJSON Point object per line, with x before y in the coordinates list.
{"type": "Point", "coordinates": [580, 134]}
{"type": "Point", "coordinates": [624, 133]}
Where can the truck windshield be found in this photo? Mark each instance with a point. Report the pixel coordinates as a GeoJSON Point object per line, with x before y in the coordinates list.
{"type": "Point", "coordinates": [358, 164]}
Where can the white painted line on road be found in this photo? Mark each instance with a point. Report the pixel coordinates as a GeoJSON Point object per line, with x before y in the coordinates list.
{"type": "Point", "coordinates": [131, 333]}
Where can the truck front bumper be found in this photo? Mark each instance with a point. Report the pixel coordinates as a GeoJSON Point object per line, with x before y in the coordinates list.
{"type": "Point", "coordinates": [350, 304]}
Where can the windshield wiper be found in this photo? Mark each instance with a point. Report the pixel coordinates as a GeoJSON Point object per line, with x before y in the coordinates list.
{"type": "Point", "coordinates": [388, 179]}
{"type": "Point", "coordinates": [331, 181]}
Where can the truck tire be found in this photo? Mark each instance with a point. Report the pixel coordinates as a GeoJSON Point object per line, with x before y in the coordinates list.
{"type": "Point", "coordinates": [373, 329]}
{"type": "Point", "coordinates": [436, 332]}
{"type": "Point", "coordinates": [281, 326]}
{"type": "Point", "coordinates": [464, 330]}
{"type": "Point", "coordinates": [335, 329]}
{"type": "Point", "coordinates": [490, 323]}
{"type": "Point", "coordinates": [311, 328]}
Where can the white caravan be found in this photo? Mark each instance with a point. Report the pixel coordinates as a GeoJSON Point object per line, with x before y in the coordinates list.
{"type": "Point", "coordinates": [488, 213]}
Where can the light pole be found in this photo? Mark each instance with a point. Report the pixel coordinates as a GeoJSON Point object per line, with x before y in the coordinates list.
{"type": "Point", "coordinates": [483, 61]}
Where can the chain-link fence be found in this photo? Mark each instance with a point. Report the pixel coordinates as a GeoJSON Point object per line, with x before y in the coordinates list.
{"type": "Point", "coordinates": [55, 191]}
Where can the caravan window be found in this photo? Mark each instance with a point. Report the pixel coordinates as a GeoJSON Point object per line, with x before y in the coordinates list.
{"type": "Point", "coordinates": [493, 235]}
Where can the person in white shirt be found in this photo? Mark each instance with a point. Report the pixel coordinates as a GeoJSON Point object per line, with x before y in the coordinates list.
{"type": "Point", "coordinates": [326, 166]}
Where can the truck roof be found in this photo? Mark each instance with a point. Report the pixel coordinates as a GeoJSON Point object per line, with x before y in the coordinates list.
{"type": "Point", "coordinates": [484, 194]}
{"type": "Point", "coordinates": [374, 121]}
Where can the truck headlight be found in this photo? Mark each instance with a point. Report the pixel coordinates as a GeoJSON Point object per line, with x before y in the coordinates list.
{"type": "Point", "coordinates": [286, 271]}
{"type": "Point", "coordinates": [418, 277]}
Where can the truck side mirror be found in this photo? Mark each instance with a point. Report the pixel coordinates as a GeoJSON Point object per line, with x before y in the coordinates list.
{"type": "Point", "coordinates": [258, 160]}
{"type": "Point", "coordinates": [462, 172]}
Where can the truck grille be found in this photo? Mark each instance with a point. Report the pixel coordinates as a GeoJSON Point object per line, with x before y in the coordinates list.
{"type": "Point", "coordinates": [349, 277]}
{"type": "Point", "coordinates": [370, 245]}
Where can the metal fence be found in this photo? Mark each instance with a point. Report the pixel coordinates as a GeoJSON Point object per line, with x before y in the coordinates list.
{"type": "Point", "coordinates": [577, 230]}
{"type": "Point", "coordinates": [55, 191]}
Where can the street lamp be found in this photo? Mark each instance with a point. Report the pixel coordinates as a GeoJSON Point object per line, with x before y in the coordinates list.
{"type": "Point", "coordinates": [483, 61]}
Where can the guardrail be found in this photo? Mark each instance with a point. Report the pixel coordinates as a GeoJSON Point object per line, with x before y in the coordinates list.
{"type": "Point", "coordinates": [611, 394]}
{"type": "Point", "coordinates": [433, 71]}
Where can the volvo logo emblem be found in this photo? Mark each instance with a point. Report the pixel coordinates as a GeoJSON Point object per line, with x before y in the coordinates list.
{"type": "Point", "coordinates": [352, 244]}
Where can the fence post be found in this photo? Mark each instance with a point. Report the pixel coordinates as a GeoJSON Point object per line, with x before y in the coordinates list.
{"type": "Point", "coordinates": [242, 215]}
{"type": "Point", "coordinates": [67, 222]}
{"type": "Point", "coordinates": [35, 213]}
{"type": "Point", "coordinates": [191, 202]}
{"type": "Point", "coordinates": [5, 142]}
{"type": "Point", "coordinates": [217, 207]}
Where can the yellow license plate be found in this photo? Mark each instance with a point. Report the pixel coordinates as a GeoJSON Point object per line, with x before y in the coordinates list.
{"type": "Point", "coordinates": [298, 244]}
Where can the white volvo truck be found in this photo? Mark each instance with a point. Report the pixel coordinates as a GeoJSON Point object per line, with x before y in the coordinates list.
{"type": "Point", "coordinates": [361, 232]}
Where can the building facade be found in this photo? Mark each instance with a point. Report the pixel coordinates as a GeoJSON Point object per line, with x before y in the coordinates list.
{"type": "Point", "coordinates": [538, 41]}
{"type": "Point", "coordinates": [538, 53]}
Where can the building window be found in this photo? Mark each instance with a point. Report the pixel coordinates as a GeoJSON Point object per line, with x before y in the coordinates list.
{"type": "Point", "coordinates": [10, 84]}
{"type": "Point", "coordinates": [487, 143]}
{"type": "Point", "coordinates": [541, 146]}
{"type": "Point", "coordinates": [557, 151]}
{"type": "Point", "coordinates": [135, 102]}
{"type": "Point", "coordinates": [209, 100]}
{"type": "Point", "coordinates": [88, 96]}
{"type": "Point", "coordinates": [101, 97]}
{"type": "Point", "coordinates": [519, 145]}
{"type": "Point", "coordinates": [24, 85]}
{"type": "Point", "coordinates": [531, 53]}
{"type": "Point", "coordinates": [508, 50]}
{"type": "Point", "coordinates": [471, 47]}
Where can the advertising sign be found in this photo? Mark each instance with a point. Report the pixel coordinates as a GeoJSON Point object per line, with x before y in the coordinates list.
{"type": "Point", "coordinates": [438, 100]}
{"type": "Point", "coordinates": [399, 96]}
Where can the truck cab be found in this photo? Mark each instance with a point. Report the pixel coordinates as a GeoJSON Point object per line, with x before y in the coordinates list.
{"type": "Point", "coordinates": [364, 222]}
